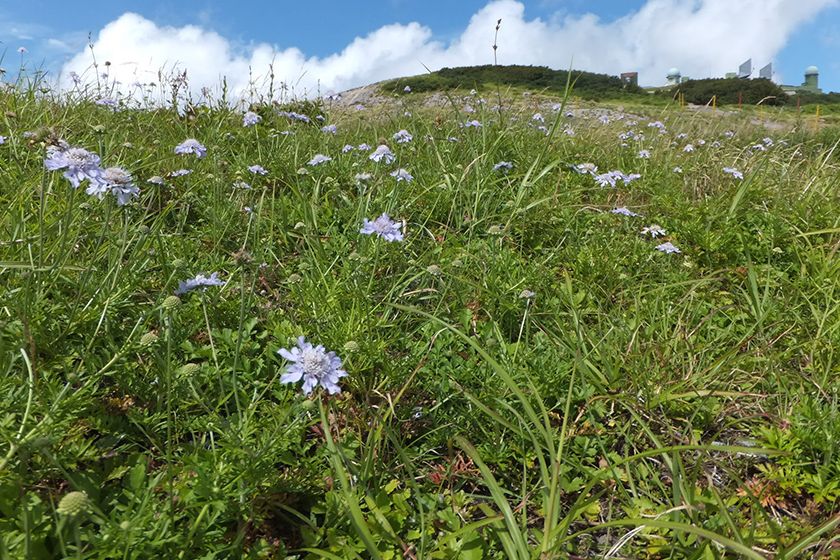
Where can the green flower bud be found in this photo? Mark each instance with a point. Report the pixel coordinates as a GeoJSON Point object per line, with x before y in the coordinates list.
{"type": "Point", "coordinates": [351, 346]}
{"type": "Point", "coordinates": [188, 369]}
{"type": "Point", "coordinates": [148, 339]}
{"type": "Point", "coordinates": [73, 504]}
{"type": "Point", "coordinates": [171, 302]}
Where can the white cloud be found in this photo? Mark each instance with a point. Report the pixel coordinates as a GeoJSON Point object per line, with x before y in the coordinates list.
{"type": "Point", "coordinates": [701, 37]}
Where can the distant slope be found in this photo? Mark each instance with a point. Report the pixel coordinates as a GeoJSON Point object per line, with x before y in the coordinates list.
{"type": "Point", "coordinates": [586, 85]}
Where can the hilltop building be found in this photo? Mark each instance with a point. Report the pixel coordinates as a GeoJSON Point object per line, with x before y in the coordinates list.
{"type": "Point", "coordinates": [810, 85]}
{"type": "Point", "coordinates": [630, 78]}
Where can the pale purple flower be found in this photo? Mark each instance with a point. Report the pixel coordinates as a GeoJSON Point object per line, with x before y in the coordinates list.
{"type": "Point", "coordinates": [78, 163]}
{"type": "Point", "coordinates": [363, 147]}
{"type": "Point", "coordinates": [117, 181]}
{"type": "Point", "coordinates": [678, 169]}
{"type": "Point", "coordinates": [402, 137]}
{"type": "Point", "coordinates": [155, 180]}
{"type": "Point", "coordinates": [318, 159]}
{"type": "Point", "coordinates": [473, 124]}
{"type": "Point", "coordinates": [321, 118]}
{"type": "Point", "coordinates": [682, 135]}
{"type": "Point", "coordinates": [314, 365]}
{"type": "Point", "coordinates": [382, 152]}
{"type": "Point", "coordinates": [604, 119]}
{"type": "Point", "coordinates": [402, 175]}
{"type": "Point", "coordinates": [538, 118]}
{"type": "Point", "coordinates": [22, 50]}
{"type": "Point", "coordinates": [407, 89]}
{"type": "Point", "coordinates": [759, 147]}
{"type": "Point", "coordinates": [329, 129]}
{"type": "Point", "coordinates": [569, 131]}
{"type": "Point", "coordinates": [384, 227]}
{"type": "Point", "coordinates": [657, 124]}
{"type": "Point", "coordinates": [688, 148]}
{"type": "Point", "coordinates": [734, 172]}
{"type": "Point", "coordinates": [2, 140]}
{"type": "Point", "coordinates": [180, 172]}
{"type": "Point", "coordinates": [191, 146]}
{"type": "Point", "coordinates": [644, 154]}
{"type": "Point", "coordinates": [294, 116]}
{"type": "Point", "coordinates": [199, 281]}
{"type": "Point", "coordinates": [107, 102]}
{"type": "Point", "coordinates": [347, 148]}
{"type": "Point", "coordinates": [624, 212]}
{"type": "Point", "coordinates": [504, 166]}
{"type": "Point", "coordinates": [250, 119]}
{"type": "Point", "coordinates": [242, 185]}
{"type": "Point", "coordinates": [654, 230]}
{"type": "Point", "coordinates": [668, 248]}
{"type": "Point", "coordinates": [584, 168]}
{"type": "Point", "coordinates": [363, 177]}
{"type": "Point", "coordinates": [258, 169]}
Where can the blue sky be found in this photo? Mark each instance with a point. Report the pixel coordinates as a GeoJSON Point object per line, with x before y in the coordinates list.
{"type": "Point", "coordinates": [54, 32]}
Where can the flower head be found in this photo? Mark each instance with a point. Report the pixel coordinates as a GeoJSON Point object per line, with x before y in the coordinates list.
{"type": "Point", "coordinates": [78, 163]}
{"type": "Point", "coordinates": [199, 281]}
{"type": "Point", "coordinates": [668, 248]}
{"type": "Point", "coordinates": [384, 227]}
{"type": "Point", "coordinates": [382, 152]}
{"type": "Point", "coordinates": [538, 118]}
{"type": "Point", "coordinates": [407, 89]}
{"type": "Point", "coordinates": [624, 212]}
{"type": "Point", "coordinates": [402, 175]}
{"type": "Point", "coordinates": [644, 154]}
{"type": "Point", "coordinates": [402, 137]}
{"type": "Point", "coordinates": [117, 181]}
{"type": "Point", "coordinates": [257, 169]}
{"type": "Point", "coordinates": [250, 119]}
{"type": "Point", "coordinates": [473, 124]}
{"type": "Point", "coordinates": [654, 230]}
{"type": "Point", "coordinates": [734, 172]}
{"type": "Point", "coordinates": [503, 166]}
{"type": "Point", "coordinates": [329, 129]}
{"type": "Point", "coordinates": [318, 159]}
{"type": "Point", "coordinates": [584, 168]}
{"type": "Point", "coordinates": [348, 148]}
{"type": "Point", "coordinates": [363, 147]}
{"type": "Point", "coordinates": [314, 365]}
{"type": "Point", "coordinates": [191, 146]}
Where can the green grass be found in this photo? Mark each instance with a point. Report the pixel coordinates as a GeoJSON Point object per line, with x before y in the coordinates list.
{"type": "Point", "coordinates": [638, 405]}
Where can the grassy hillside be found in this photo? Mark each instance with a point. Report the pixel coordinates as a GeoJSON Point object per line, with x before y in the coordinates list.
{"type": "Point", "coordinates": [587, 85]}
{"type": "Point", "coordinates": [602, 334]}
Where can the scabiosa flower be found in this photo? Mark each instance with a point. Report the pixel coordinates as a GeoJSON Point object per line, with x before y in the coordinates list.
{"type": "Point", "coordinates": [504, 166]}
{"type": "Point", "coordinates": [472, 124]}
{"type": "Point", "coordinates": [314, 365]}
{"type": "Point", "coordinates": [348, 148]}
{"type": "Point", "coordinates": [180, 172]}
{"type": "Point", "coordinates": [363, 147]}
{"type": "Point", "coordinates": [382, 152]}
{"type": "Point", "coordinates": [2, 140]}
{"type": "Point", "coordinates": [402, 175]}
{"type": "Point", "coordinates": [191, 146]}
{"type": "Point", "coordinates": [318, 159]}
{"type": "Point", "coordinates": [668, 248]}
{"type": "Point", "coordinates": [729, 134]}
{"type": "Point", "coordinates": [384, 227]}
{"type": "Point", "coordinates": [250, 119]}
{"type": "Point", "coordinates": [624, 212]}
{"type": "Point", "coordinates": [321, 118]}
{"type": "Point", "coordinates": [688, 148]}
{"type": "Point", "coordinates": [199, 281]}
{"type": "Point", "coordinates": [538, 118]}
{"type": "Point", "coordinates": [654, 230]}
{"type": "Point", "coordinates": [584, 168]}
{"type": "Point", "coordinates": [117, 181]}
{"type": "Point", "coordinates": [734, 172]}
{"type": "Point", "coordinates": [242, 185]}
{"type": "Point", "coordinates": [107, 102]}
{"type": "Point", "coordinates": [569, 131]}
{"type": "Point", "coordinates": [644, 154]}
{"type": "Point", "coordinates": [407, 89]}
{"type": "Point", "coordinates": [678, 169]}
{"type": "Point", "coordinates": [329, 129]}
{"type": "Point", "coordinates": [155, 180]}
{"type": "Point", "coordinates": [682, 135]}
{"type": "Point", "coordinates": [257, 169]}
{"type": "Point", "coordinates": [363, 177]}
{"type": "Point", "coordinates": [402, 137]}
{"type": "Point", "coordinates": [22, 50]}
{"type": "Point", "coordinates": [78, 163]}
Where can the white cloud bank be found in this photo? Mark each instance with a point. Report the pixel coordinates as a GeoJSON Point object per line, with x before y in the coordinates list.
{"type": "Point", "coordinates": [701, 37]}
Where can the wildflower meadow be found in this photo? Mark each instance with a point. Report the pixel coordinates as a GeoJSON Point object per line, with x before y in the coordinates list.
{"type": "Point", "coordinates": [494, 326]}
